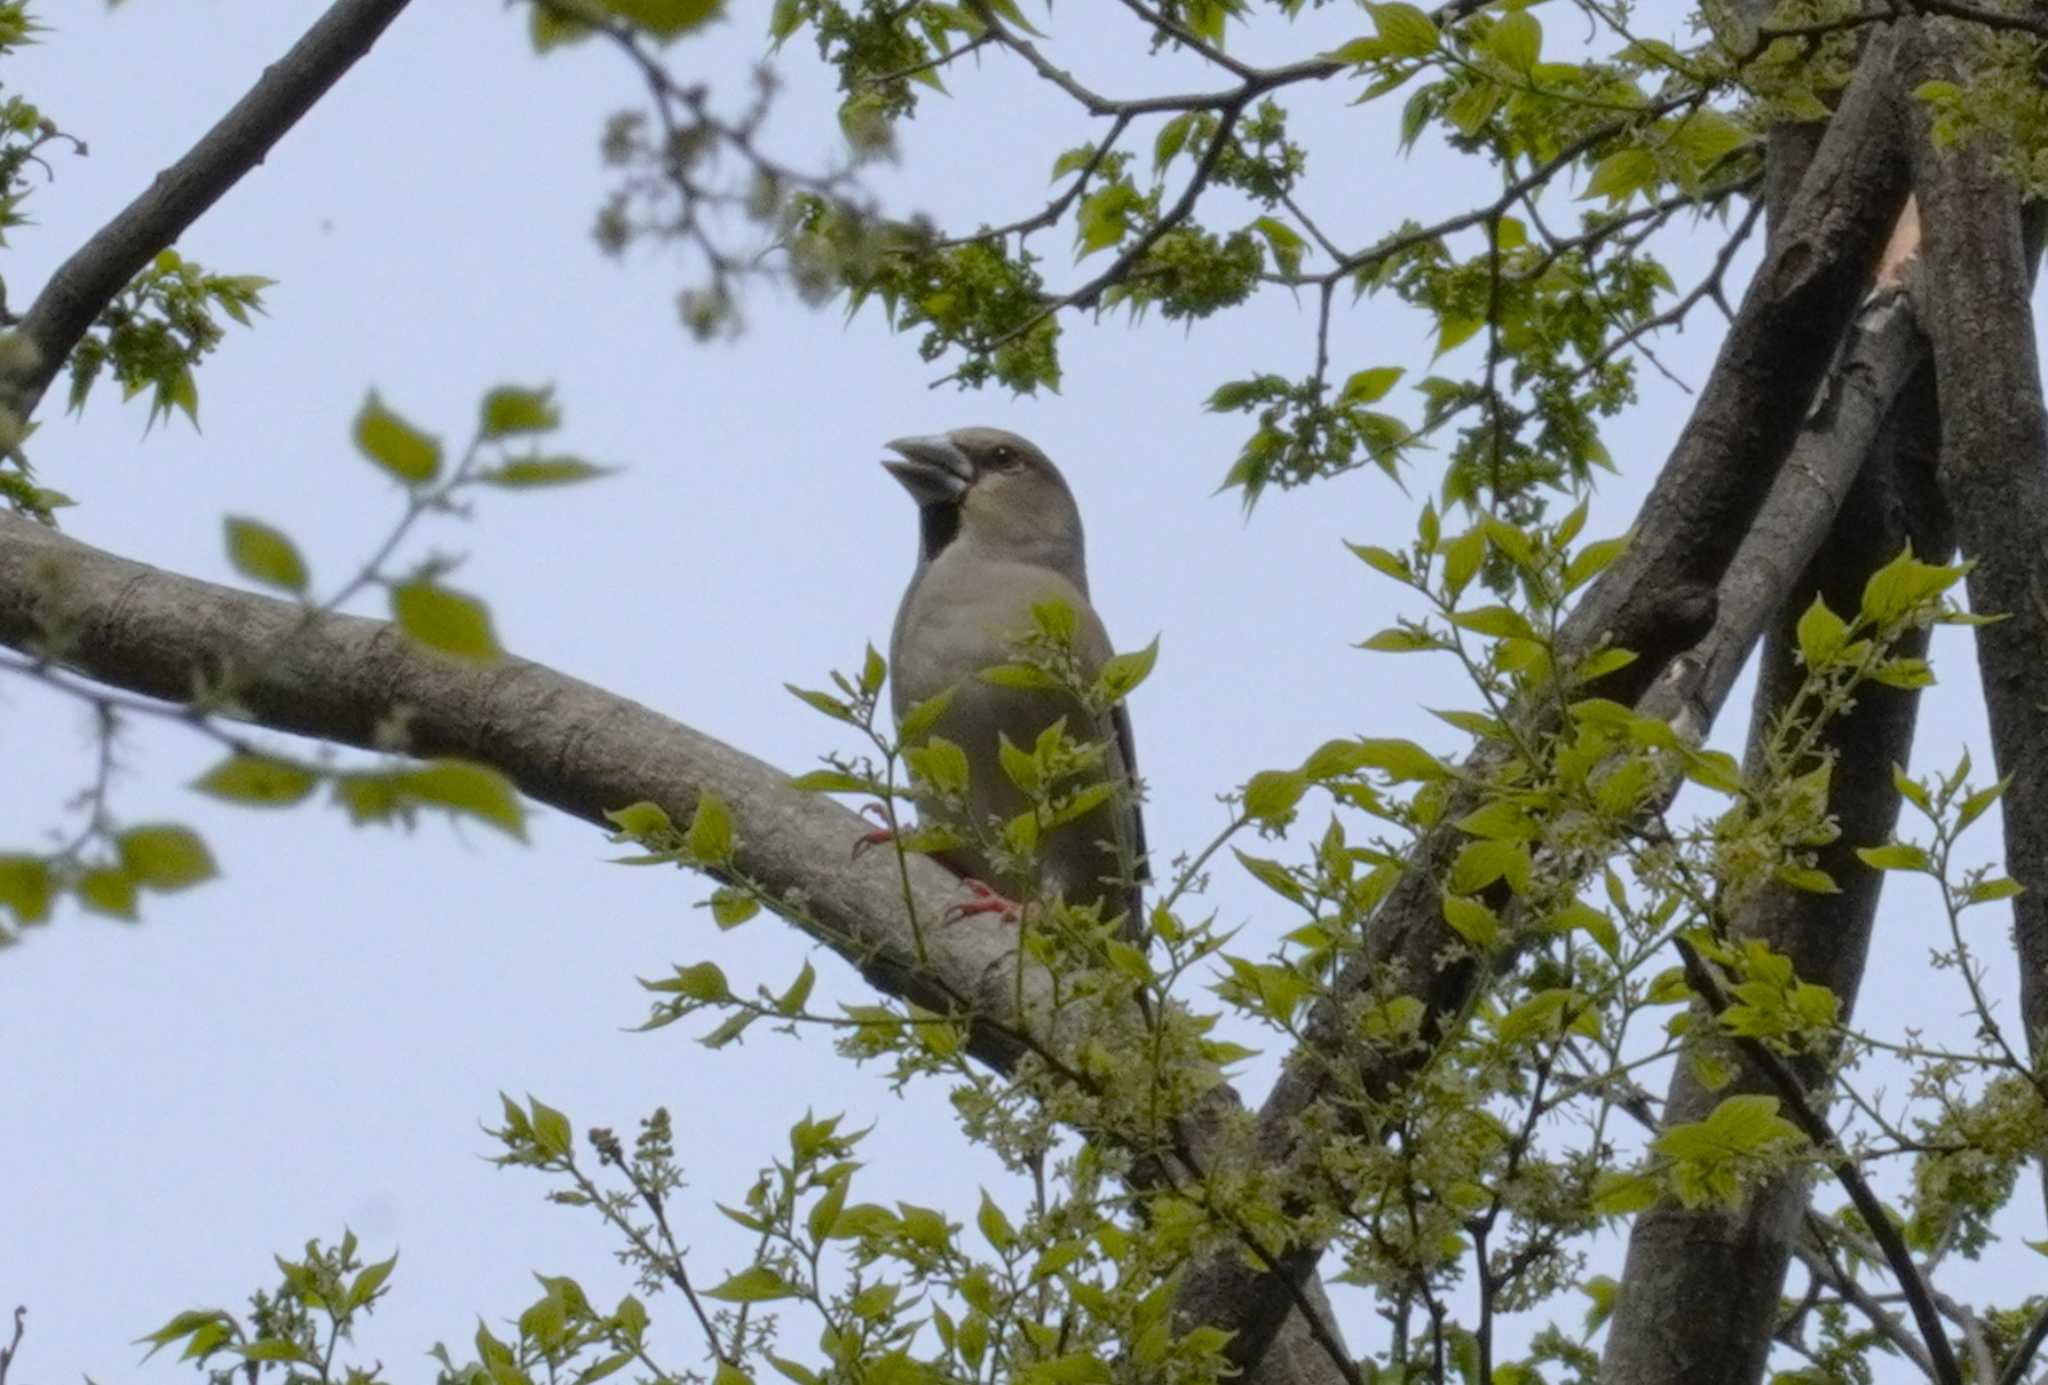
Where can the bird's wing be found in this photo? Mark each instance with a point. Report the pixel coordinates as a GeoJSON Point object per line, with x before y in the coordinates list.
{"type": "Point", "coordinates": [1127, 747]}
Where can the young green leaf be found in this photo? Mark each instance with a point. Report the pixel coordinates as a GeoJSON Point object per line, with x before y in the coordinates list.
{"type": "Point", "coordinates": [509, 410]}
{"type": "Point", "coordinates": [264, 554]}
{"type": "Point", "coordinates": [446, 621]}
{"type": "Point", "coordinates": [396, 445]}
{"type": "Point", "coordinates": [165, 856]}
{"type": "Point", "coordinates": [257, 780]}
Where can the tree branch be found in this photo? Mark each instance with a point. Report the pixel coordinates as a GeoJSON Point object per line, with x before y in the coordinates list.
{"type": "Point", "coordinates": [102, 267]}
{"type": "Point", "coordinates": [584, 751]}
{"type": "Point", "coordinates": [1701, 1286]}
{"type": "Point", "coordinates": [1658, 600]}
{"type": "Point", "coordinates": [1994, 473]}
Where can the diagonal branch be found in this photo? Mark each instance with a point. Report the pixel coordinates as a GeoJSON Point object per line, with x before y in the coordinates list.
{"type": "Point", "coordinates": [584, 751]}
{"type": "Point", "coordinates": [238, 141]}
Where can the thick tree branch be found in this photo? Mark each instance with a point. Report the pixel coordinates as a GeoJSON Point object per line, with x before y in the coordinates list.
{"type": "Point", "coordinates": [577, 748]}
{"type": "Point", "coordinates": [1994, 473]}
{"type": "Point", "coordinates": [1700, 1291]}
{"type": "Point", "coordinates": [102, 267]}
{"type": "Point", "coordinates": [1701, 1288]}
{"type": "Point", "coordinates": [1658, 600]}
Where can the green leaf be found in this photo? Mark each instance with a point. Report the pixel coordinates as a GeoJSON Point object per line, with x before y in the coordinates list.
{"type": "Point", "coordinates": [549, 28]}
{"type": "Point", "coordinates": [823, 702]}
{"type": "Point", "coordinates": [1357, 52]}
{"type": "Point", "coordinates": [1517, 40]}
{"type": "Point", "coordinates": [1272, 875]}
{"type": "Point", "coordinates": [25, 887]}
{"type": "Point", "coordinates": [1985, 891]}
{"type": "Point", "coordinates": [527, 473]}
{"type": "Point", "coordinates": [264, 554]}
{"type": "Point", "coordinates": [165, 857]}
{"type": "Point", "coordinates": [1019, 766]}
{"type": "Point", "coordinates": [1821, 634]}
{"type": "Point", "coordinates": [1895, 856]}
{"type": "Point", "coordinates": [1621, 175]}
{"type": "Point", "coordinates": [446, 621]}
{"type": "Point", "coordinates": [1399, 641]}
{"type": "Point", "coordinates": [1401, 760]}
{"type": "Point", "coordinates": [1471, 920]}
{"type": "Point", "coordinates": [641, 820]}
{"type": "Point", "coordinates": [1285, 242]}
{"type": "Point", "coordinates": [994, 1225]}
{"type": "Point", "coordinates": [1593, 559]}
{"type": "Point", "coordinates": [552, 1133]}
{"type": "Point", "coordinates": [257, 780]}
{"type": "Point", "coordinates": [703, 981]}
{"type": "Point", "coordinates": [509, 410]}
{"type": "Point", "coordinates": [1172, 138]}
{"type": "Point", "coordinates": [1974, 806]}
{"type": "Point", "coordinates": [107, 890]}
{"type": "Point", "coordinates": [1807, 879]}
{"type": "Point", "coordinates": [665, 19]}
{"type": "Point", "coordinates": [939, 763]}
{"type": "Point", "coordinates": [710, 838]}
{"type": "Point", "coordinates": [1272, 793]}
{"type": "Point", "coordinates": [1405, 30]}
{"type": "Point", "coordinates": [1121, 674]}
{"type": "Point", "coordinates": [924, 715]}
{"type": "Point", "coordinates": [1540, 1014]}
{"type": "Point", "coordinates": [1370, 386]}
{"type": "Point", "coordinates": [730, 907]}
{"type": "Point", "coordinates": [396, 445]}
{"type": "Point", "coordinates": [1462, 557]}
{"type": "Point", "coordinates": [1619, 1194]}
{"type": "Point", "coordinates": [370, 1281]}
{"type": "Point", "coordinates": [1495, 622]}
{"type": "Point", "coordinates": [755, 1284]}
{"type": "Point", "coordinates": [463, 786]}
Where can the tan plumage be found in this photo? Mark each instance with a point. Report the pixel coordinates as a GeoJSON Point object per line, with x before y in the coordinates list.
{"type": "Point", "coordinates": [1000, 533]}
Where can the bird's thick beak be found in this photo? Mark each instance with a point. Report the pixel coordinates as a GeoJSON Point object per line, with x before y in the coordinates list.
{"type": "Point", "coordinates": [933, 470]}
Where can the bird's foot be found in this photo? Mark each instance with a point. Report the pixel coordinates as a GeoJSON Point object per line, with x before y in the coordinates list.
{"type": "Point", "coordinates": [987, 900]}
{"type": "Point", "coordinates": [881, 836]}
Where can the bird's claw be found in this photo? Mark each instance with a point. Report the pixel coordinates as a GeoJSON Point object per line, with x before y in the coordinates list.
{"type": "Point", "coordinates": [881, 836]}
{"type": "Point", "coordinates": [987, 900]}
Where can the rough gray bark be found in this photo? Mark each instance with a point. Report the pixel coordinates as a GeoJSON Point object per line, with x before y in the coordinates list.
{"type": "Point", "coordinates": [1728, 1270]}
{"type": "Point", "coordinates": [1658, 600]}
{"type": "Point", "coordinates": [1994, 473]}
{"type": "Point", "coordinates": [1700, 1291]}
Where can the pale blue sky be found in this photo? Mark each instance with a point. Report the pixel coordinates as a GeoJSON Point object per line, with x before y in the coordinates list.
{"type": "Point", "coordinates": [312, 1041]}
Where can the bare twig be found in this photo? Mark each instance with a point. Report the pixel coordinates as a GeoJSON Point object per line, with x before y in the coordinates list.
{"type": "Point", "coordinates": [7, 1352]}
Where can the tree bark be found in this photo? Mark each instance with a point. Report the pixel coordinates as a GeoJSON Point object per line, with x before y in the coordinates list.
{"type": "Point", "coordinates": [1994, 473]}
{"type": "Point", "coordinates": [1658, 600]}
{"type": "Point", "coordinates": [1700, 1292]}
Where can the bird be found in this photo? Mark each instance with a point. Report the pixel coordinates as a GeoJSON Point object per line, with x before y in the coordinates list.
{"type": "Point", "coordinates": [999, 533]}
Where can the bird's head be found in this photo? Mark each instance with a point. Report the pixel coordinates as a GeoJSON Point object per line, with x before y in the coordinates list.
{"type": "Point", "coordinates": [993, 489]}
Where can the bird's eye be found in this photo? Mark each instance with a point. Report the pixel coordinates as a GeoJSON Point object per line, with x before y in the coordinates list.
{"type": "Point", "coordinates": [1004, 456]}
